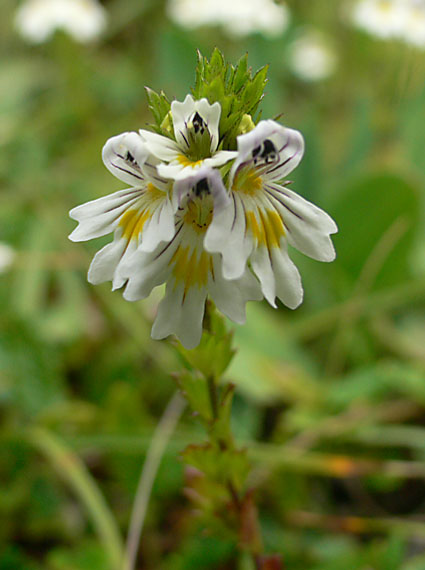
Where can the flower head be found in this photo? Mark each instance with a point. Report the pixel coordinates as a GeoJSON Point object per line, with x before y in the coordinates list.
{"type": "Point", "coordinates": [414, 30]}
{"type": "Point", "coordinates": [381, 18]}
{"type": "Point", "coordinates": [159, 230]}
{"type": "Point", "coordinates": [202, 220]}
{"type": "Point", "coordinates": [265, 215]}
{"type": "Point", "coordinates": [37, 20]}
{"type": "Point", "coordinates": [195, 128]}
{"type": "Point", "coordinates": [311, 57]}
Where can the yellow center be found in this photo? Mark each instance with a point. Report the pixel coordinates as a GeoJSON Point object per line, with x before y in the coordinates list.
{"type": "Point", "coordinates": [198, 215]}
{"type": "Point", "coordinates": [247, 181]}
{"type": "Point", "coordinates": [185, 161]}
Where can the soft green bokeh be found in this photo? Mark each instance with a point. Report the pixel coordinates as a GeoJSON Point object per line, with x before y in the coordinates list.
{"type": "Point", "coordinates": [330, 399]}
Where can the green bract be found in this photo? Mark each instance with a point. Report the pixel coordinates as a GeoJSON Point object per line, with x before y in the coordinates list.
{"type": "Point", "coordinates": [238, 91]}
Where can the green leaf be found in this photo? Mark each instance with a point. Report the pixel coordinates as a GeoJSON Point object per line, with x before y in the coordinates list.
{"type": "Point", "coordinates": [194, 388]}
{"type": "Point", "coordinates": [221, 429]}
{"type": "Point", "coordinates": [30, 373]}
{"type": "Point", "coordinates": [215, 352]}
{"type": "Point", "coordinates": [159, 106]}
{"type": "Point", "coordinates": [220, 465]}
{"type": "Point", "coordinates": [85, 556]}
{"type": "Point", "coordinates": [237, 91]}
{"type": "Point", "coordinates": [377, 218]}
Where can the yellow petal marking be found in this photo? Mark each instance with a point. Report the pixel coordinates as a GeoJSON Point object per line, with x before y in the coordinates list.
{"type": "Point", "coordinates": [132, 223]}
{"type": "Point", "coordinates": [268, 229]}
{"type": "Point", "coordinates": [185, 161]}
{"type": "Point", "coordinates": [154, 192]}
{"type": "Point", "coordinates": [191, 269]}
{"type": "Point", "coordinates": [247, 181]}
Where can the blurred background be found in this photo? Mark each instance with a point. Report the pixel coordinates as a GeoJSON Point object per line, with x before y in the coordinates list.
{"type": "Point", "coordinates": [330, 398]}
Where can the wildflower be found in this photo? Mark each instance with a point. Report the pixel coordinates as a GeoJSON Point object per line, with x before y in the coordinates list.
{"type": "Point", "coordinates": [37, 20]}
{"type": "Point", "coordinates": [203, 220]}
{"type": "Point", "coordinates": [140, 216]}
{"type": "Point", "coordinates": [237, 18]}
{"type": "Point", "coordinates": [191, 272]}
{"type": "Point", "coordinates": [311, 57]}
{"type": "Point", "coordinates": [196, 134]}
{"type": "Point", "coordinates": [7, 257]}
{"type": "Point", "coordinates": [414, 30]}
{"type": "Point", "coordinates": [159, 230]}
{"type": "Point", "coordinates": [381, 18]}
{"type": "Point", "coordinates": [265, 215]}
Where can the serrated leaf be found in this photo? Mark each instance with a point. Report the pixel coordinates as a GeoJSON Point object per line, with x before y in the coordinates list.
{"type": "Point", "coordinates": [220, 465]}
{"type": "Point", "coordinates": [194, 389]}
{"type": "Point", "coordinates": [241, 74]}
{"type": "Point", "coordinates": [221, 429]}
{"type": "Point", "coordinates": [159, 106]}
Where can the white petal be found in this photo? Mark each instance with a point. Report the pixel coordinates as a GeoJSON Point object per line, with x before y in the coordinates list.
{"type": "Point", "coordinates": [308, 227]}
{"type": "Point", "coordinates": [227, 235]}
{"type": "Point", "coordinates": [99, 217]}
{"type": "Point", "coordinates": [231, 297]}
{"type": "Point", "coordinates": [288, 145]}
{"type": "Point", "coordinates": [278, 276]}
{"type": "Point", "coordinates": [187, 187]}
{"type": "Point", "coordinates": [160, 146]}
{"type": "Point", "coordinates": [182, 112]}
{"type": "Point", "coordinates": [104, 263]}
{"type": "Point", "coordinates": [181, 313]}
{"type": "Point", "coordinates": [124, 156]}
{"type": "Point", "coordinates": [262, 267]}
{"type": "Point", "coordinates": [160, 227]}
{"type": "Point", "coordinates": [146, 270]}
{"type": "Point", "coordinates": [288, 281]}
{"type": "Point", "coordinates": [220, 157]}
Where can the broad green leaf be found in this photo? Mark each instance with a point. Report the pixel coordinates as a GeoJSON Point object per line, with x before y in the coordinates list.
{"type": "Point", "coordinates": [377, 218]}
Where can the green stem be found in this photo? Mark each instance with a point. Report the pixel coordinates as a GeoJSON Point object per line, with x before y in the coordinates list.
{"type": "Point", "coordinates": [72, 469]}
{"type": "Point", "coordinates": [159, 441]}
{"type": "Point", "coordinates": [212, 392]}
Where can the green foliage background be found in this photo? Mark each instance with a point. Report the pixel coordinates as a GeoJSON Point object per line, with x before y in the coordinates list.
{"type": "Point", "coordinates": [330, 399]}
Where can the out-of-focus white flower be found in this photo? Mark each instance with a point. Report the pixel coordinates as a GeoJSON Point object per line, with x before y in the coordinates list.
{"type": "Point", "coordinates": [37, 20]}
{"type": "Point", "coordinates": [382, 18]}
{"type": "Point", "coordinates": [237, 17]}
{"type": "Point", "coordinates": [414, 31]}
{"type": "Point", "coordinates": [311, 57]}
{"type": "Point", "coordinates": [7, 256]}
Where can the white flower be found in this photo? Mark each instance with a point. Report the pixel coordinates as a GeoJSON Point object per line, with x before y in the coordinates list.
{"type": "Point", "coordinates": [311, 57]}
{"type": "Point", "coordinates": [265, 215]}
{"type": "Point", "coordinates": [140, 216]}
{"type": "Point", "coordinates": [196, 131]}
{"type": "Point", "coordinates": [382, 18]}
{"type": "Point", "coordinates": [7, 257]}
{"type": "Point", "coordinates": [414, 30]}
{"type": "Point", "coordinates": [159, 231]}
{"type": "Point", "coordinates": [238, 17]}
{"type": "Point", "coordinates": [37, 20]}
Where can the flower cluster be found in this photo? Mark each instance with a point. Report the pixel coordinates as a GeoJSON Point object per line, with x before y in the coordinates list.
{"type": "Point", "coordinates": [237, 18]}
{"type": "Point", "coordinates": [203, 219]}
{"type": "Point", "coordinates": [386, 19]}
{"type": "Point", "coordinates": [37, 20]}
